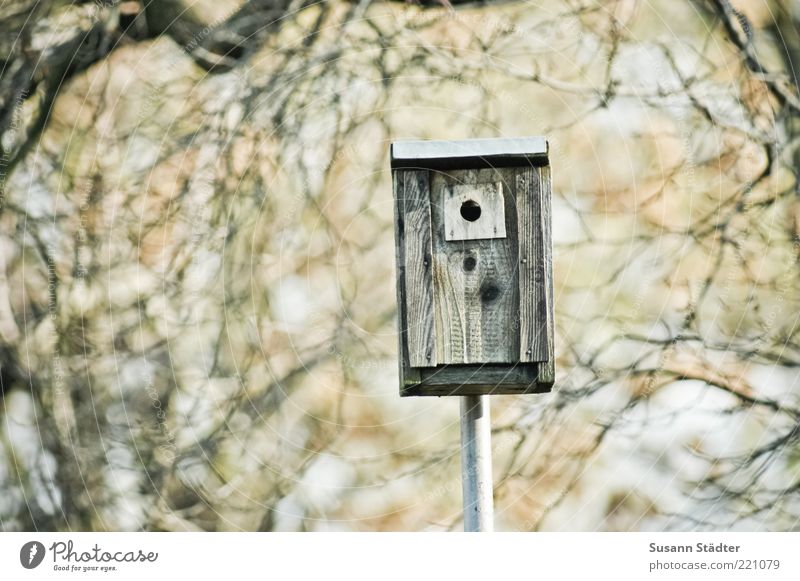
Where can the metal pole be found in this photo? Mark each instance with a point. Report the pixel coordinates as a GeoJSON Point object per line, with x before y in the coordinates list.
{"type": "Point", "coordinates": [476, 463]}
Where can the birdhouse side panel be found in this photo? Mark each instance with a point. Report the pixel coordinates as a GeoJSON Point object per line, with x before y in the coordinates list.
{"type": "Point", "coordinates": [547, 369]}
{"type": "Point", "coordinates": [532, 266]}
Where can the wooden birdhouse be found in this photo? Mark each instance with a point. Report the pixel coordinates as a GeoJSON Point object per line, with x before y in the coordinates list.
{"type": "Point", "coordinates": [474, 266]}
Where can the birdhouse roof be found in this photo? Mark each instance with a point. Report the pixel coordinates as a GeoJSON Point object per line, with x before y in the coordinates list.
{"type": "Point", "coordinates": [469, 153]}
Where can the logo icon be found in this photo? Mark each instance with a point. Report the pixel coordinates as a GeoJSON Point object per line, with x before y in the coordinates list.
{"type": "Point", "coordinates": [31, 554]}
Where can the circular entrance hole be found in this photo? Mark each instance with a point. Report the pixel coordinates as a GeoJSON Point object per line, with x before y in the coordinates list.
{"type": "Point", "coordinates": [470, 210]}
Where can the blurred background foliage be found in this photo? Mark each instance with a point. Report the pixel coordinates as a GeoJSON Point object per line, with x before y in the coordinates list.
{"type": "Point", "coordinates": [197, 311]}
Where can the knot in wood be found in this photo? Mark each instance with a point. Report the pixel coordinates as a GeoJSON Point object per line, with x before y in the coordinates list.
{"type": "Point", "coordinates": [489, 291]}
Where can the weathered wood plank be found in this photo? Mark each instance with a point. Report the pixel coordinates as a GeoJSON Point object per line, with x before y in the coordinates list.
{"type": "Point", "coordinates": [416, 244]}
{"type": "Point", "coordinates": [475, 293]}
{"type": "Point", "coordinates": [409, 376]}
{"type": "Point", "coordinates": [484, 208]}
{"type": "Point", "coordinates": [533, 345]}
{"type": "Point", "coordinates": [499, 288]}
{"type": "Point", "coordinates": [547, 370]}
{"type": "Point", "coordinates": [480, 374]}
{"type": "Point", "coordinates": [477, 380]}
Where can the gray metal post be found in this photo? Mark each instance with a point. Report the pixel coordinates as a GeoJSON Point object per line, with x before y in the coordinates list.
{"type": "Point", "coordinates": [476, 463]}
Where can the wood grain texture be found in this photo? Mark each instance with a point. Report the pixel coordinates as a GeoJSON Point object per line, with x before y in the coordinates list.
{"type": "Point", "coordinates": [547, 370]}
{"type": "Point", "coordinates": [477, 379]}
{"type": "Point", "coordinates": [533, 344]}
{"type": "Point", "coordinates": [416, 245]}
{"type": "Point", "coordinates": [491, 222]}
{"type": "Point", "coordinates": [409, 376]}
{"type": "Point", "coordinates": [476, 296]}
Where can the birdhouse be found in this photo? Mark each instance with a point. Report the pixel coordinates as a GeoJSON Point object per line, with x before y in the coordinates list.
{"type": "Point", "coordinates": [474, 266]}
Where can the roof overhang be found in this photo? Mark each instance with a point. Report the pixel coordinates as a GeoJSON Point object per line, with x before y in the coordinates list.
{"type": "Point", "coordinates": [469, 153]}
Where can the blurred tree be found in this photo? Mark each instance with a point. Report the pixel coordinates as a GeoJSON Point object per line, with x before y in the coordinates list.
{"type": "Point", "coordinates": [196, 285]}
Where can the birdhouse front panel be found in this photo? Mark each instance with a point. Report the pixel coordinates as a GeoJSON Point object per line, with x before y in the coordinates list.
{"type": "Point", "coordinates": [475, 289]}
{"type": "Point", "coordinates": [473, 266]}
